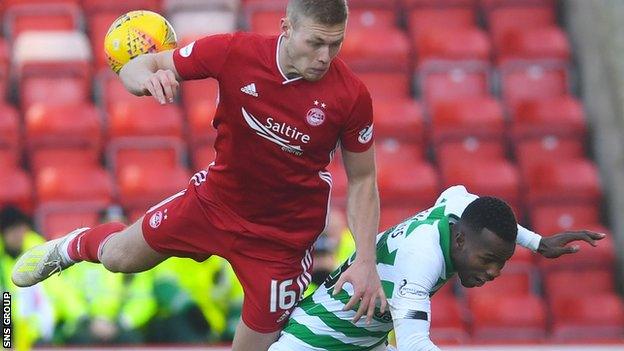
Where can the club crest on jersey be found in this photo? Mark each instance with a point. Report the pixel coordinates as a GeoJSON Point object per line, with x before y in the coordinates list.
{"type": "Point", "coordinates": [365, 135]}
{"type": "Point", "coordinates": [315, 116]}
{"type": "Point", "coordinates": [156, 219]}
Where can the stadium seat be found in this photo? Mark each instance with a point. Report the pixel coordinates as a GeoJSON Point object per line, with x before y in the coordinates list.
{"type": "Point", "coordinates": [561, 116]}
{"type": "Point", "coordinates": [521, 82]}
{"type": "Point", "coordinates": [174, 6]}
{"type": "Point", "coordinates": [415, 4]}
{"type": "Point", "coordinates": [531, 43]}
{"type": "Point", "coordinates": [390, 52]}
{"type": "Point", "coordinates": [468, 149]}
{"type": "Point", "coordinates": [126, 152]}
{"type": "Point", "coordinates": [200, 23]}
{"type": "Point", "coordinates": [20, 193]}
{"type": "Point", "coordinates": [493, 177]}
{"type": "Point", "coordinates": [10, 134]}
{"type": "Point", "coordinates": [521, 261]}
{"type": "Point", "coordinates": [63, 157]}
{"type": "Point", "coordinates": [583, 318]}
{"type": "Point", "coordinates": [452, 81]}
{"type": "Point", "coordinates": [266, 22]}
{"type": "Point", "coordinates": [390, 152]}
{"type": "Point", "coordinates": [410, 184]}
{"type": "Point", "coordinates": [505, 318]}
{"type": "Point", "coordinates": [200, 116]}
{"type": "Point", "coordinates": [145, 117]}
{"type": "Point", "coordinates": [532, 152]}
{"type": "Point", "coordinates": [339, 184]}
{"type": "Point", "coordinates": [447, 324]}
{"type": "Point", "coordinates": [508, 283]}
{"type": "Point", "coordinates": [600, 257]}
{"type": "Point", "coordinates": [383, 85]}
{"type": "Point", "coordinates": [143, 187]}
{"type": "Point", "coordinates": [19, 18]}
{"type": "Point", "coordinates": [551, 219]}
{"type": "Point", "coordinates": [53, 91]}
{"type": "Point", "coordinates": [401, 119]}
{"type": "Point", "coordinates": [436, 17]}
{"type": "Point", "coordinates": [390, 215]}
{"type": "Point", "coordinates": [110, 91]}
{"type": "Point", "coordinates": [370, 18]}
{"type": "Point", "coordinates": [197, 91]}
{"type": "Point", "coordinates": [203, 155]}
{"type": "Point", "coordinates": [75, 125]}
{"type": "Point", "coordinates": [458, 119]}
{"type": "Point", "coordinates": [583, 282]}
{"type": "Point", "coordinates": [92, 7]}
{"type": "Point", "coordinates": [54, 220]}
{"type": "Point", "coordinates": [449, 43]}
{"type": "Point", "coordinates": [74, 184]}
{"type": "Point", "coordinates": [551, 183]}
{"type": "Point", "coordinates": [505, 18]}
{"type": "Point", "coordinates": [98, 27]}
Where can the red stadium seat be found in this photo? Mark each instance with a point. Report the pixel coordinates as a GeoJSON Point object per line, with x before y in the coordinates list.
{"type": "Point", "coordinates": [370, 18]}
{"type": "Point", "coordinates": [562, 116]}
{"type": "Point", "coordinates": [203, 155]}
{"type": "Point", "coordinates": [508, 283]}
{"type": "Point", "coordinates": [98, 6]}
{"type": "Point", "coordinates": [504, 19]}
{"type": "Point", "coordinates": [63, 157]}
{"type": "Point", "coordinates": [551, 219]}
{"type": "Point", "coordinates": [410, 4]}
{"type": "Point", "coordinates": [505, 318]}
{"type": "Point", "coordinates": [521, 261]}
{"type": "Point", "coordinates": [10, 135]}
{"type": "Point", "coordinates": [390, 152]}
{"type": "Point", "coordinates": [57, 91]}
{"type": "Point", "coordinates": [410, 184]}
{"type": "Point", "coordinates": [440, 17]}
{"type": "Point", "coordinates": [532, 152]}
{"type": "Point", "coordinates": [199, 91]}
{"type": "Point", "coordinates": [386, 85]}
{"type": "Point", "coordinates": [200, 117]}
{"type": "Point", "coordinates": [401, 119]}
{"type": "Point", "coordinates": [111, 91]}
{"type": "Point", "coordinates": [266, 21]}
{"type": "Point", "coordinates": [493, 177]}
{"type": "Point", "coordinates": [453, 82]}
{"type": "Point", "coordinates": [98, 27]}
{"type": "Point", "coordinates": [41, 16]}
{"type": "Point", "coordinates": [525, 82]}
{"type": "Point", "coordinates": [551, 183]}
{"type": "Point", "coordinates": [141, 188]}
{"type": "Point", "coordinates": [339, 184]}
{"type": "Point", "coordinates": [390, 215]}
{"type": "Point", "coordinates": [583, 318]}
{"type": "Point", "coordinates": [532, 43]}
{"type": "Point", "coordinates": [74, 184]}
{"type": "Point", "coordinates": [76, 125]}
{"type": "Point", "coordinates": [20, 193]}
{"type": "Point", "coordinates": [600, 257]}
{"type": "Point", "coordinates": [447, 324]}
{"type": "Point", "coordinates": [578, 282]}
{"type": "Point", "coordinates": [469, 149]}
{"type": "Point", "coordinates": [390, 52]}
{"type": "Point", "coordinates": [145, 117]}
{"type": "Point", "coordinates": [54, 220]}
{"type": "Point", "coordinates": [143, 152]}
{"type": "Point", "coordinates": [458, 119]}
{"type": "Point", "coordinates": [448, 43]}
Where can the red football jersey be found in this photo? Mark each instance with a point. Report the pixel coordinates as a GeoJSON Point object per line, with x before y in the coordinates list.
{"type": "Point", "coordinates": [275, 136]}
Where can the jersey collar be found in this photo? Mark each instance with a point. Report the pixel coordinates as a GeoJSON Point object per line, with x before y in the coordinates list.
{"type": "Point", "coordinates": [286, 79]}
{"type": "Point", "coordinates": [445, 244]}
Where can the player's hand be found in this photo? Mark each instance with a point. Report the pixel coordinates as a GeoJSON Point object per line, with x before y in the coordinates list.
{"type": "Point", "coordinates": [367, 289]}
{"type": "Point", "coordinates": [162, 85]}
{"type": "Point", "coordinates": [556, 245]}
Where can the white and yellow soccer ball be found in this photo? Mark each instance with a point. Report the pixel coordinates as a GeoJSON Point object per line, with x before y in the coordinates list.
{"type": "Point", "coordinates": [136, 33]}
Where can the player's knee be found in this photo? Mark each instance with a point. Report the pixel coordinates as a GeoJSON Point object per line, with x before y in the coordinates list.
{"type": "Point", "coordinates": [117, 261]}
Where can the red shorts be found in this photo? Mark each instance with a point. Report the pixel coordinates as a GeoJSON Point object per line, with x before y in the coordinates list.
{"type": "Point", "coordinates": [273, 276]}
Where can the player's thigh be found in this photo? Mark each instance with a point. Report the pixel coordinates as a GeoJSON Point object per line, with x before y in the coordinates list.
{"type": "Point", "coordinates": [247, 339]}
{"type": "Point", "coordinates": [127, 251]}
{"type": "Point", "coordinates": [272, 287]}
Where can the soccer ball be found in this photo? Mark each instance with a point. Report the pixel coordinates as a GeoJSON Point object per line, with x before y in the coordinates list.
{"type": "Point", "coordinates": [136, 33]}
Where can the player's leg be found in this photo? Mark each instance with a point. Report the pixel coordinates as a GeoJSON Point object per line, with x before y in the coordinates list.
{"type": "Point", "coordinates": [246, 339]}
{"type": "Point", "coordinates": [117, 247]}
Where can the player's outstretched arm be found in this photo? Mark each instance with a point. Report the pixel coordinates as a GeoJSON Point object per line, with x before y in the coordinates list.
{"type": "Point", "coordinates": [152, 74]}
{"type": "Point", "coordinates": [363, 220]}
{"type": "Point", "coordinates": [556, 245]}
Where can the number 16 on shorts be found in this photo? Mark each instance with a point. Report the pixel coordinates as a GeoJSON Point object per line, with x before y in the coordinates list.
{"type": "Point", "coordinates": [281, 298]}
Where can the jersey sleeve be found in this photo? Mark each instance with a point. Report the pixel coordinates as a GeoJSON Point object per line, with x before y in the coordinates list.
{"type": "Point", "coordinates": [203, 58]}
{"type": "Point", "coordinates": [357, 134]}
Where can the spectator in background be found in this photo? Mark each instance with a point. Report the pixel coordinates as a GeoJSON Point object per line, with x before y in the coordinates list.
{"type": "Point", "coordinates": [32, 311]}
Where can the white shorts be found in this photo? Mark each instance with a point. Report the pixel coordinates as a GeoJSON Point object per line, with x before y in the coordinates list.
{"type": "Point", "coordinates": [286, 343]}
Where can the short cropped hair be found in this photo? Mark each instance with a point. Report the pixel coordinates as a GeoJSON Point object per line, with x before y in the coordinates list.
{"type": "Point", "coordinates": [494, 214]}
{"type": "Point", "coordinates": [326, 12]}
{"type": "Point", "coordinates": [11, 216]}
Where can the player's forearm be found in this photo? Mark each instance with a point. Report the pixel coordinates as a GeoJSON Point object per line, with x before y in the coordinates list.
{"type": "Point", "coordinates": [363, 215]}
{"type": "Point", "coordinates": [413, 335]}
{"type": "Point", "coordinates": [134, 74]}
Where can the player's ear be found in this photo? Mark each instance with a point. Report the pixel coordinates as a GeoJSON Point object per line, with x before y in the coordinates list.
{"type": "Point", "coordinates": [459, 239]}
{"type": "Point", "coordinates": [286, 27]}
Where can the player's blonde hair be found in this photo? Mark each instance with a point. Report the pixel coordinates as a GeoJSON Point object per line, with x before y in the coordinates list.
{"type": "Point", "coordinates": [326, 12]}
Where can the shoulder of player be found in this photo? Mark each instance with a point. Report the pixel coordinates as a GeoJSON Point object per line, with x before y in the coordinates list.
{"type": "Point", "coordinates": [252, 44]}
{"type": "Point", "coordinates": [423, 238]}
{"type": "Point", "coordinates": [349, 81]}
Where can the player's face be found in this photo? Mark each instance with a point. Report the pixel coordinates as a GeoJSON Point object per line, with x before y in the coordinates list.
{"type": "Point", "coordinates": [480, 257]}
{"type": "Point", "coordinates": [310, 47]}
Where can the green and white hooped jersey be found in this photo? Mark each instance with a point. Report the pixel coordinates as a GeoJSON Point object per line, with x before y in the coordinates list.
{"type": "Point", "coordinates": [413, 261]}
